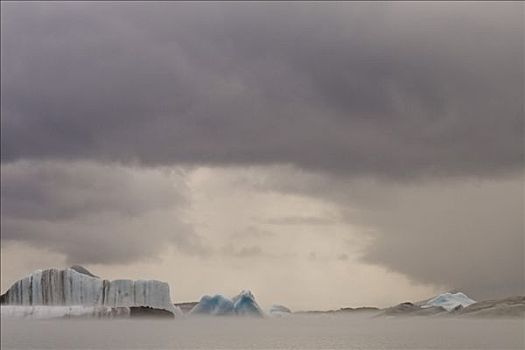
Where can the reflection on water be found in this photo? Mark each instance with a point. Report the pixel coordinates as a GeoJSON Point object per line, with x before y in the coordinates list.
{"type": "Point", "coordinates": [296, 332]}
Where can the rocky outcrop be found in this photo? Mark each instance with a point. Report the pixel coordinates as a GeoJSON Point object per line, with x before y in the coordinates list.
{"type": "Point", "coordinates": [459, 305]}
{"type": "Point", "coordinates": [343, 310]}
{"type": "Point", "coordinates": [359, 309]}
{"type": "Point", "coordinates": [410, 309]}
{"type": "Point", "coordinates": [148, 312]}
{"type": "Point", "coordinates": [69, 287]}
{"type": "Point", "coordinates": [507, 307]}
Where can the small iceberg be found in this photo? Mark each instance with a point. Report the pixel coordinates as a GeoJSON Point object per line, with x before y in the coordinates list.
{"type": "Point", "coordinates": [279, 311]}
{"type": "Point", "coordinates": [243, 304]}
{"type": "Point", "coordinates": [449, 301]}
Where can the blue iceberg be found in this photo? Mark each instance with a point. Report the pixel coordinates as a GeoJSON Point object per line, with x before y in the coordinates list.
{"type": "Point", "coordinates": [243, 304]}
{"type": "Point", "coordinates": [217, 305]}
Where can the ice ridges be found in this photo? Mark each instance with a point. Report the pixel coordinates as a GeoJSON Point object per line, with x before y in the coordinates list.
{"type": "Point", "coordinates": [243, 304]}
{"type": "Point", "coordinates": [76, 286]}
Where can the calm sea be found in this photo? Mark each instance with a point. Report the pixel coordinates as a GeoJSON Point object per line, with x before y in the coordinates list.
{"type": "Point", "coordinates": [296, 332]}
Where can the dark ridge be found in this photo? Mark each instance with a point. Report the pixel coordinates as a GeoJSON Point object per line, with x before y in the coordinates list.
{"type": "Point", "coordinates": [341, 310]}
{"type": "Point", "coordinates": [149, 312]}
{"type": "Point", "coordinates": [412, 309]}
{"type": "Point", "coordinates": [82, 270]}
{"type": "Point", "coordinates": [506, 307]}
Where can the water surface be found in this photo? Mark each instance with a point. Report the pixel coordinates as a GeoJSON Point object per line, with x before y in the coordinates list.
{"type": "Point", "coordinates": [297, 332]}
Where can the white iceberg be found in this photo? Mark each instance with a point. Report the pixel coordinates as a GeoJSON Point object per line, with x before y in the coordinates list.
{"type": "Point", "coordinates": [69, 287]}
{"type": "Point", "coordinates": [449, 301]}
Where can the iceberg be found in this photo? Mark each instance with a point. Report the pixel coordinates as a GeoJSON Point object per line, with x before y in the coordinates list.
{"type": "Point", "coordinates": [279, 311]}
{"type": "Point", "coordinates": [243, 304]}
{"type": "Point", "coordinates": [78, 287]}
{"type": "Point", "coordinates": [217, 305]}
{"type": "Point", "coordinates": [449, 301]}
{"type": "Point", "coordinates": [42, 312]}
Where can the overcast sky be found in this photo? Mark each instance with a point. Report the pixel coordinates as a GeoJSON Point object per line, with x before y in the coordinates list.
{"type": "Point", "coordinates": [320, 154]}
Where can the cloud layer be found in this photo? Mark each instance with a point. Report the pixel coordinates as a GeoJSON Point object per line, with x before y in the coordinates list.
{"type": "Point", "coordinates": [466, 235]}
{"type": "Point", "coordinates": [390, 90]}
{"type": "Point", "coordinates": [93, 213]}
{"type": "Point", "coordinates": [385, 134]}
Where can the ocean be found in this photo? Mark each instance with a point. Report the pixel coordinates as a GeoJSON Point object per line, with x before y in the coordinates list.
{"type": "Point", "coordinates": [293, 332]}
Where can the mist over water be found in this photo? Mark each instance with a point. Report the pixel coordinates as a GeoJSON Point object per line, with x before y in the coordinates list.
{"type": "Point", "coordinates": [295, 332]}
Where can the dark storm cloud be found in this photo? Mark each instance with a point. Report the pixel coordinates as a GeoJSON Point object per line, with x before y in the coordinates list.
{"type": "Point", "coordinates": [384, 89]}
{"type": "Point", "coordinates": [94, 213]}
{"type": "Point", "coordinates": [469, 237]}
{"type": "Point", "coordinates": [54, 192]}
{"type": "Point", "coordinates": [346, 90]}
{"type": "Point", "coordinates": [466, 235]}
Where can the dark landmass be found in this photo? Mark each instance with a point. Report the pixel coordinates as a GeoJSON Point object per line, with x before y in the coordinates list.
{"type": "Point", "coordinates": [149, 312]}
{"type": "Point", "coordinates": [410, 309]}
{"type": "Point", "coordinates": [507, 307]}
{"type": "Point", "coordinates": [499, 308]}
{"type": "Point", "coordinates": [340, 311]}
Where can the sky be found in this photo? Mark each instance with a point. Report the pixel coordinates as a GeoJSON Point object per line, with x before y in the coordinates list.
{"type": "Point", "coordinates": [322, 155]}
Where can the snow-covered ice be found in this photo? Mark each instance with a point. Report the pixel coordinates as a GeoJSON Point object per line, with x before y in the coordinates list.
{"type": "Point", "coordinates": [449, 301]}
{"type": "Point", "coordinates": [69, 287]}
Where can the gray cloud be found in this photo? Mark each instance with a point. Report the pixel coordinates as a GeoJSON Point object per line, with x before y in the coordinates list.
{"type": "Point", "coordinates": [342, 257]}
{"type": "Point", "coordinates": [52, 192]}
{"type": "Point", "coordinates": [464, 234]}
{"type": "Point", "coordinates": [300, 220]}
{"type": "Point", "coordinates": [242, 252]}
{"type": "Point", "coordinates": [251, 233]}
{"type": "Point", "coordinates": [93, 213]}
{"type": "Point", "coordinates": [390, 90]}
{"type": "Point", "coordinates": [96, 94]}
